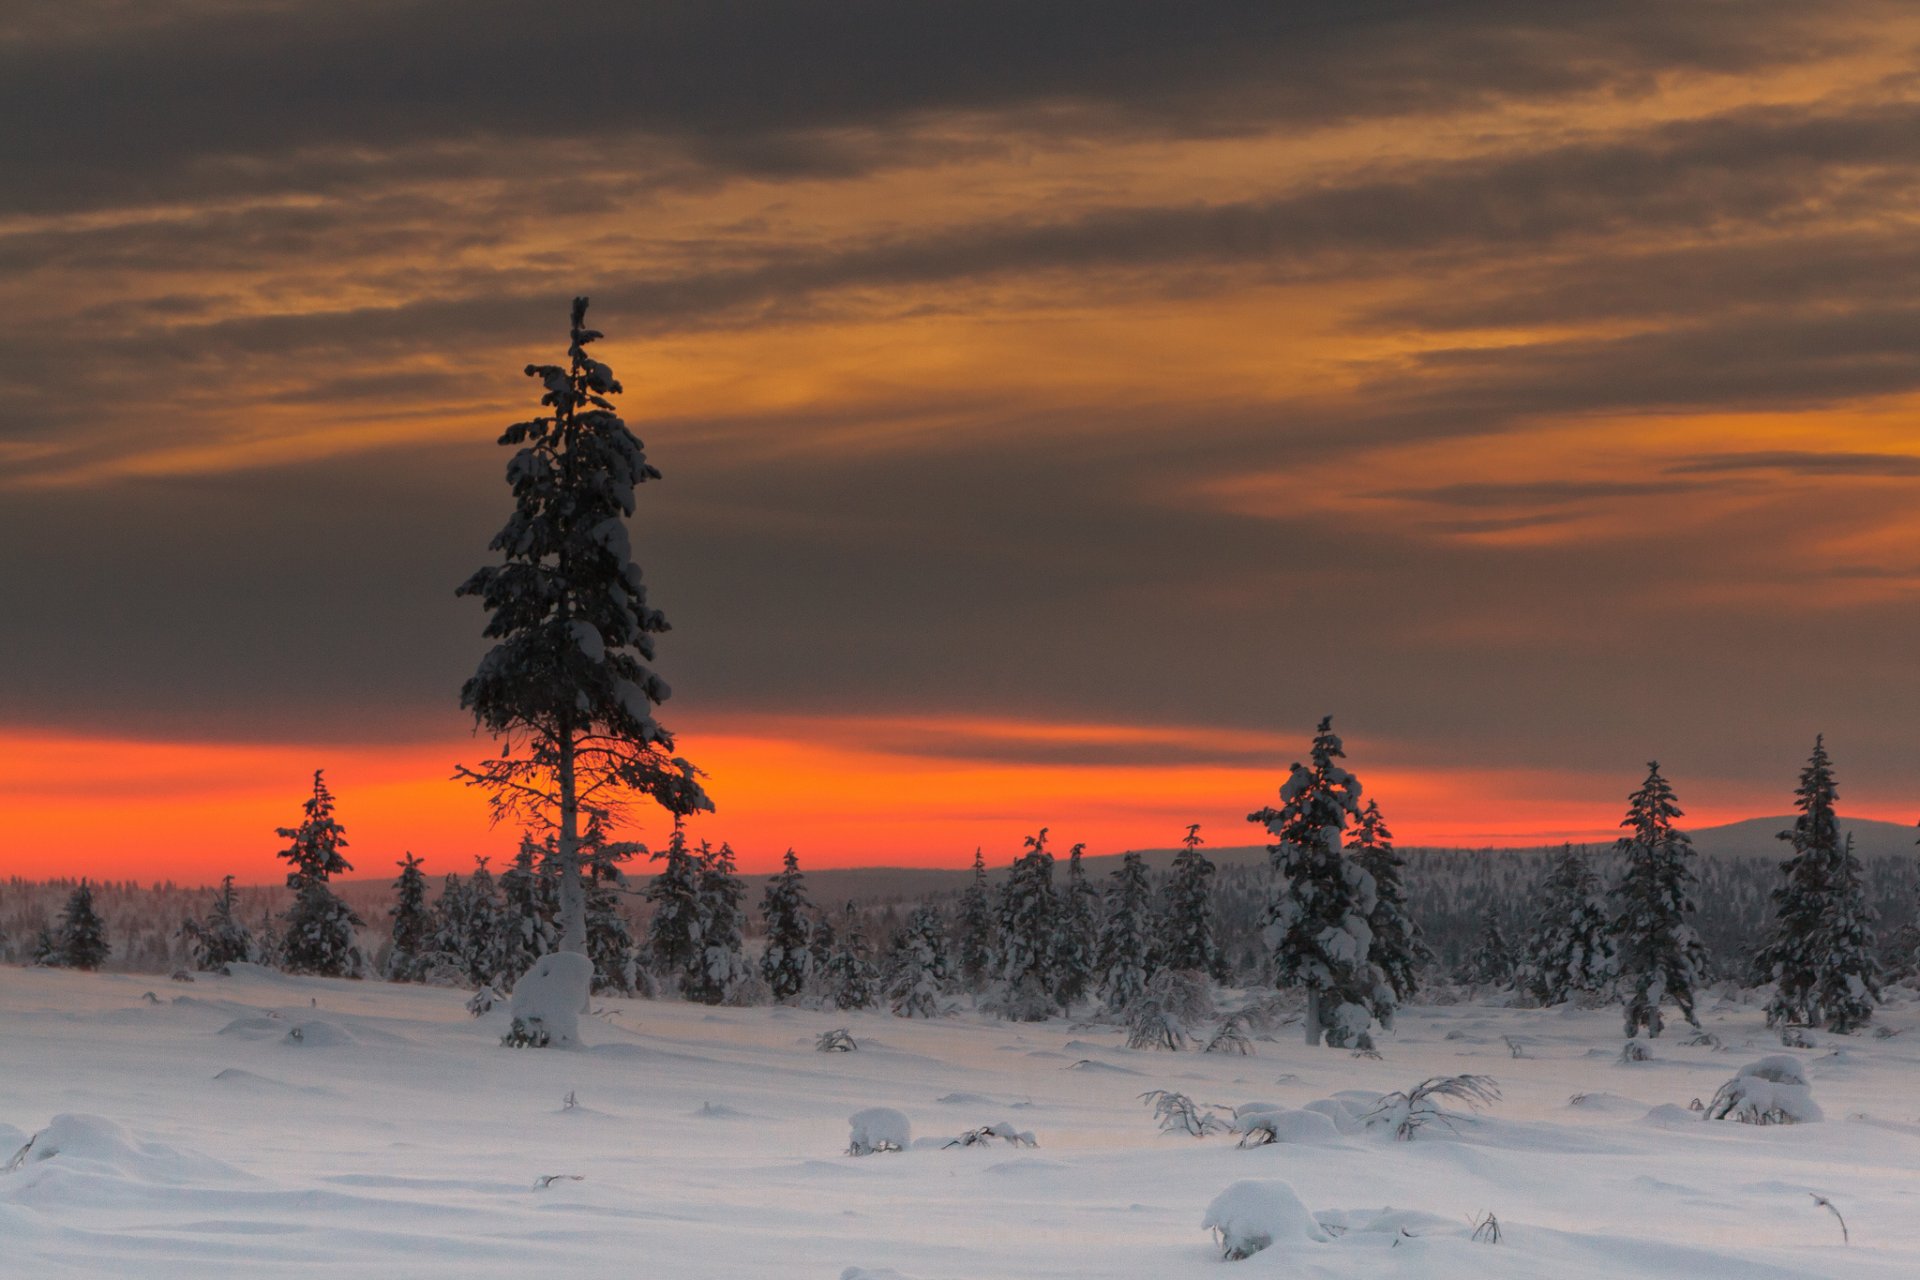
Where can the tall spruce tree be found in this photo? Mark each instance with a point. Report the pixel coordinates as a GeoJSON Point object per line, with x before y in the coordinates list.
{"type": "Point", "coordinates": [452, 945]}
{"type": "Point", "coordinates": [567, 688]}
{"type": "Point", "coordinates": [917, 967]}
{"type": "Point", "coordinates": [1821, 956]}
{"type": "Point", "coordinates": [1317, 921]}
{"type": "Point", "coordinates": [1077, 946]}
{"type": "Point", "coordinates": [525, 930]}
{"type": "Point", "coordinates": [1490, 963]}
{"type": "Point", "coordinates": [1186, 924]}
{"type": "Point", "coordinates": [1661, 959]}
{"type": "Point", "coordinates": [1570, 951]}
{"type": "Point", "coordinates": [784, 908]}
{"type": "Point", "coordinates": [676, 936]}
{"type": "Point", "coordinates": [853, 980]}
{"type": "Point", "coordinates": [222, 938]}
{"type": "Point", "coordinates": [82, 939]}
{"type": "Point", "coordinates": [410, 933]}
{"type": "Point", "coordinates": [1126, 935]}
{"type": "Point", "coordinates": [480, 949]}
{"type": "Point", "coordinates": [975, 925]}
{"type": "Point", "coordinates": [722, 960]}
{"type": "Point", "coordinates": [1029, 928]}
{"type": "Point", "coordinates": [319, 928]}
{"type": "Point", "coordinates": [1397, 951]}
{"type": "Point", "coordinates": [610, 942]}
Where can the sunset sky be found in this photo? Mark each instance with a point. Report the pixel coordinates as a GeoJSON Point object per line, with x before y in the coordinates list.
{"type": "Point", "coordinates": [1062, 406]}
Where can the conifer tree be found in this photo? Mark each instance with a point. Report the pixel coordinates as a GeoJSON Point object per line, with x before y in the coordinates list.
{"type": "Point", "coordinates": [1186, 925]}
{"type": "Point", "coordinates": [82, 939]}
{"type": "Point", "coordinates": [567, 687]}
{"type": "Point", "coordinates": [1077, 947]}
{"type": "Point", "coordinates": [319, 934]}
{"type": "Point", "coordinates": [721, 961]}
{"type": "Point", "coordinates": [1570, 951]}
{"type": "Point", "coordinates": [1821, 955]}
{"type": "Point", "coordinates": [610, 942]}
{"type": "Point", "coordinates": [410, 940]}
{"type": "Point", "coordinates": [1317, 921]}
{"type": "Point", "coordinates": [1660, 958]}
{"type": "Point", "coordinates": [1029, 926]}
{"type": "Point", "coordinates": [46, 947]}
{"type": "Point", "coordinates": [1490, 963]}
{"type": "Point", "coordinates": [525, 930]}
{"type": "Point", "coordinates": [786, 961]}
{"type": "Point", "coordinates": [481, 947]}
{"type": "Point", "coordinates": [917, 969]}
{"type": "Point", "coordinates": [1397, 950]}
{"type": "Point", "coordinates": [676, 938]}
{"type": "Point", "coordinates": [822, 942]}
{"type": "Point", "coordinates": [222, 938]}
{"type": "Point", "coordinates": [975, 923]}
{"type": "Point", "coordinates": [1126, 935]}
{"type": "Point", "coordinates": [453, 926]}
{"type": "Point", "coordinates": [852, 979]}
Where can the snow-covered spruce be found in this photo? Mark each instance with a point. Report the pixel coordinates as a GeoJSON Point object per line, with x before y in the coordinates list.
{"type": "Point", "coordinates": [720, 962]}
{"type": "Point", "coordinates": [1398, 950]}
{"type": "Point", "coordinates": [676, 934]}
{"type": "Point", "coordinates": [785, 961]}
{"type": "Point", "coordinates": [523, 929]}
{"type": "Point", "coordinates": [973, 926]}
{"type": "Point", "coordinates": [1821, 957]}
{"type": "Point", "coordinates": [1076, 945]}
{"type": "Point", "coordinates": [1570, 951]}
{"type": "Point", "coordinates": [548, 1000]}
{"type": "Point", "coordinates": [82, 937]}
{"type": "Point", "coordinates": [610, 942]}
{"type": "Point", "coordinates": [410, 937]}
{"type": "Point", "coordinates": [917, 966]}
{"type": "Point", "coordinates": [1660, 958]}
{"type": "Point", "coordinates": [1126, 935]}
{"type": "Point", "coordinates": [1490, 964]}
{"type": "Point", "coordinates": [852, 978]}
{"type": "Point", "coordinates": [1029, 930]}
{"type": "Point", "coordinates": [318, 930]}
{"type": "Point", "coordinates": [1317, 921]}
{"type": "Point", "coordinates": [567, 686]}
{"type": "Point", "coordinates": [1186, 919]}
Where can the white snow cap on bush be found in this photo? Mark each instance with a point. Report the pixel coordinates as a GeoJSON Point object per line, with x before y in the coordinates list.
{"type": "Point", "coordinates": [1252, 1215]}
{"type": "Point", "coordinates": [878, 1129]}
{"type": "Point", "coordinates": [552, 995]}
{"type": "Point", "coordinates": [1773, 1090]}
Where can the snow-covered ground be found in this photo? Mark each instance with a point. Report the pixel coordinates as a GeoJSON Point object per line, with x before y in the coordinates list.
{"type": "Point", "coordinates": [393, 1137]}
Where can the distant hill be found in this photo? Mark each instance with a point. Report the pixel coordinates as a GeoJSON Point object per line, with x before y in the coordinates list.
{"type": "Point", "coordinates": [1759, 836]}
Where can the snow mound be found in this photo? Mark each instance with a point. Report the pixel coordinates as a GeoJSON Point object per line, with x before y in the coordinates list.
{"type": "Point", "coordinates": [1670, 1115]}
{"type": "Point", "coordinates": [1252, 1215]}
{"type": "Point", "coordinates": [1271, 1122]}
{"type": "Point", "coordinates": [1773, 1090]}
{"type": "Point", "coordinates": [240, 1078]}
{"type": "Point", "coordinates": [878, 1129]}
{"type": "Point", "coordinates": [1088, 1064]}
{"type": "Point", "coordinates": [873, 1273]}
{"type": "Point", "coordinates": [550, 997]}
{"type": "Point", "coordinates": [255, 1027]}
{"type": "Point", "coordinates": [94, 1145]}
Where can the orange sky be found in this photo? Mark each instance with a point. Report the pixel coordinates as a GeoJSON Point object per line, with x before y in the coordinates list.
{"type": "Point", "coordinates": [1053, 428]}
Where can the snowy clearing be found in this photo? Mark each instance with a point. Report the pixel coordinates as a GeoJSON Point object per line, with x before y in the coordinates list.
{"type": "Point", "coordinates": [394, 1137]}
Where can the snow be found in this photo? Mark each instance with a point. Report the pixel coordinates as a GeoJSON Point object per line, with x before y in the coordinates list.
{"type": "Point", "coordinates": [709, 1142]}
{"type": "Point", "coordinates": [551, 996]}
{"type": "Point", "coordinates": [1252, 1215]}
{"type": "Point", "coordinates": [877, 1129]}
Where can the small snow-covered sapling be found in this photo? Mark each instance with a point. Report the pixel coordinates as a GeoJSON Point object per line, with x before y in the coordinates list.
{"type": "Point", "coordinates": [1408, 1111]}
{"type": "Point", "coordinates": [838, 1040]}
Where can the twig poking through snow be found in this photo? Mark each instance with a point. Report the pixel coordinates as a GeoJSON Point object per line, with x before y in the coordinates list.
{"type": "Point", "coordinates": [546, 1180]}
{"type": "Point", "coordinates": [1846, 1237]}
{"type": "Point", "coordinates": [1487, 1230]}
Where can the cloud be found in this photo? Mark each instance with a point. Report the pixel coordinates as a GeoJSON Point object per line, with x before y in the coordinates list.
{"type": "Point", "coordinates": [1890, 466]}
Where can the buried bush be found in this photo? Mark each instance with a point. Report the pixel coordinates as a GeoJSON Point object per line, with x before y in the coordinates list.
{"type": "Point", "coordinates": [1408, 1111]}
{"type": "Point", "coordinates": [1773, 1090]}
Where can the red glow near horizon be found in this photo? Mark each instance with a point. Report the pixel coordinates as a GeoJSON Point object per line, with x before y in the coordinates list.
{"type": "Point", "coordinates": [192, 812]}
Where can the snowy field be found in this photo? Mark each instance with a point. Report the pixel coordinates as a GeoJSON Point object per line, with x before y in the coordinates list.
{"type": "Point", "coordinates": [393, 1137]}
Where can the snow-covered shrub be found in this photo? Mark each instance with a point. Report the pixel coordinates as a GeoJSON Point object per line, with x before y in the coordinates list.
{"type": "Point", "coordinates": [838, 1040]}
{"type": "Point", "coordinates": [1635, 1051]}
{"type": "Point", "coordinates": [1773, 1090]}
{"type": "Point", "coordinates": [549, 999]}
{"type": "Point", "coordinates": [1230, 1038]}
{"type": "Point", "coordinates": [1407, 1111]}
{"type": "Point", "coordinates": [987, 1133]}
{"type": "Point", "coordinates": [878, 1129]}
{"type": "Point", "coordinates": [481, 1002]}
{"type": "Point", "coordinates": [1796, 1037]}
{"type": "Point", "coordinates": [1259, 1123]}
{"type": "Point", "coordinates": [1253, 1215]}
{"type": "Point", "coordinates": [1151, 1027]}
{"type": "Point", "coordinates": [1177, 1113]}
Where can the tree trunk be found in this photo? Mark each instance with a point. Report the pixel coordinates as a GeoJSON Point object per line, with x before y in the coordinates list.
{"type": "Point", "coordinates": [1313, 1016]}
{"type": "Point", "coordinates": [573, 895]}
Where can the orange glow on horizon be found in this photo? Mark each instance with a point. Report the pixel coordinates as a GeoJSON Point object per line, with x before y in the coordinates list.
{"type": "Point", "coordinates": [192, 812]}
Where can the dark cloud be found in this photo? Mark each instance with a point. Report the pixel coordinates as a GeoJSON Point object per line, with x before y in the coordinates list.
{"type": "Point", "coordinates": [1540, 493]}
{"type": "Point", "coordinates": [1897, 466]}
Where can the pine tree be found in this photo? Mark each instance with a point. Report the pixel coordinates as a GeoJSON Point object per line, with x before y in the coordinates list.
{"type": "Point", "coordinates": [319, 934]}
{"type": "Point", "coordinates": [1077, 946]}
{"type": "Point", "coordinates": [1570, 951]}
{"type": "Point", "coordinates": [1186, 924]}
{"type": "Point", "coordinates": [568, 679]}
{"type": "Point", "coordinates": [1397, 950]}
{"type": "Point", "coordinates": [676, 935]}
{"type": "Point", "coordinates": [222, 938]}
{"type": "Point", "coordinates": [1126, 935]}
{"type": "Point", "coordinates": [917, 968]}
{"type": "Point", "coordinates": [822, 941]}
{"type": "Point", "coordinates": [852, 979]}
{"type": "Point", "coordinates": [610, 943]}
{"type": "Point", "coordinates": [1660, 958]}
{"type": "Point", "coordinates": [722, 961]}
{"type": "Point", "coordinates": [524, 930]}
{"type": "Point", "coordinates": [975, 922]}
{"type": "Point", "coordinates": [82, 939]}
{"type": "Point", "coordinates": [1821, 956]}
{"type": "Point", "coordinates": [1029, 925]}
{"type": "Point", "coordinates": [481, 949]}
{"type": "Point", "coordinates": [1317, 921]}
{"type": "Point", "coordinates": [451, 946]}
{"type": "Point", "coordinates": [1490, 963]}
{"type": "Point", "coordinates": [786, 962]}
{"type": "Point", "coordinates": [411, 936]}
